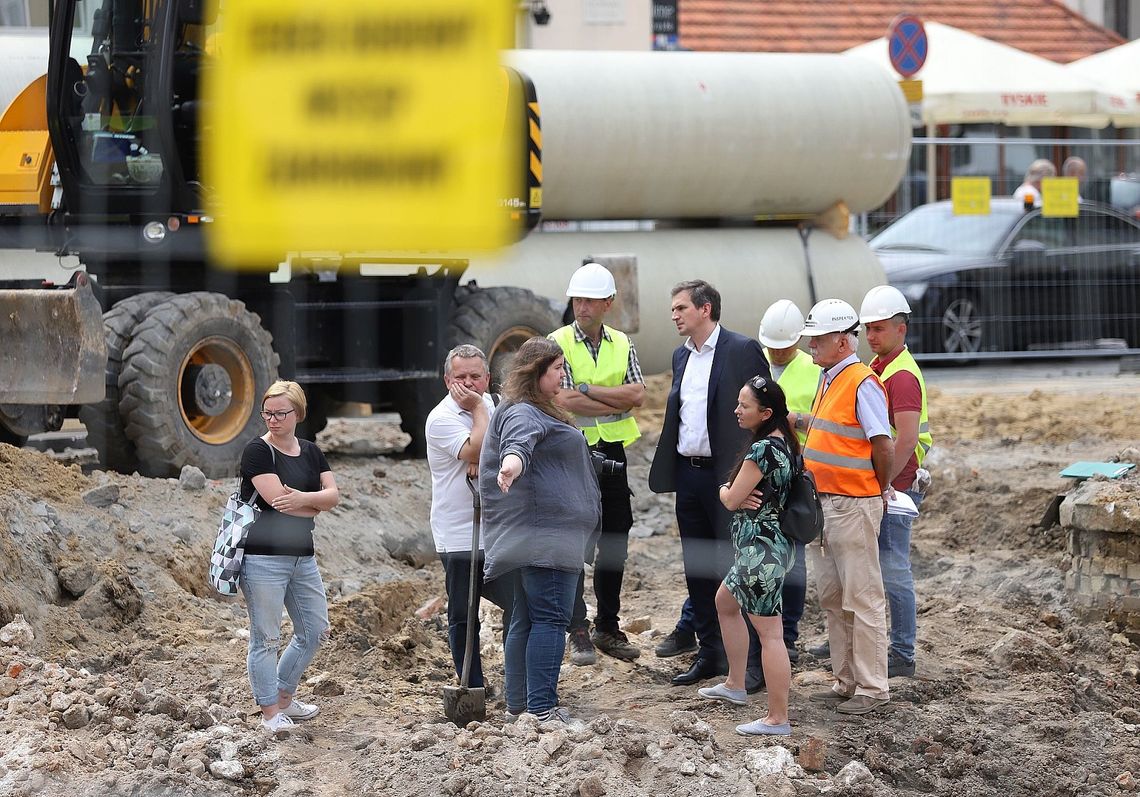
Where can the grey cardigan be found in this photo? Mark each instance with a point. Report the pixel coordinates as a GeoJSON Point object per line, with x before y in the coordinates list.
{"type": "Point", "coordinates": [553, 511]}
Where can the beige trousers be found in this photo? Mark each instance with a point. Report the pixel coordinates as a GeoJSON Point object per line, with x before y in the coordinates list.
{"type": "Point", "coordinates": [851, 595]}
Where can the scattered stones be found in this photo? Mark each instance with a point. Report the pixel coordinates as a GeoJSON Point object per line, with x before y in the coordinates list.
{"type": "Point", "coordinates": [168, 704]}
{"type": "Point", "coordinates": [8, 686]}
{"type": "Point", "coordinates": [197, 715]}
{"type": "Point", "coordinates": [227, 770]}
{"type": "Point", "coordinates": [591, 786]}
{"type": "Point", "coordinates": [852, 774]}
{"type": "Point", "coordinates": [687, 723]}
{"type": "Point", "coordinates": [102, 496]}
{"type": "Point", "coordinates": [431, 607]}
{"type": "Point", "coordinates": [1126, 781]}
{"type": "Point", "coordinates": [76, 717]}
{"type": "Point", "coordinates": [768, 760]}
{"type": "Point", "coordinates": [1020, 652]}
{"type": "Point", "coordinates": [551, 742]}
{"type": "Point", "coordinates": [813, 754]}
{"type": "Point", "coordinates": [191, 478]}
{"type": "Point", "coordinates": [76, 577]}
{"type": "Point", "coordinates": [196, 768]}
{"type": "Point", "coordinates": [183, 531]}
{"type": "Point", "coordinates": [638, 624]}
{"type": "Point", "coordinates": [422, 740]}
{"type": "Point", "coordinates": [60, 701]}
{"type": "Point", "coordinates": [328, 687]}
{"type": "Point", "coordinates": [18, 633]}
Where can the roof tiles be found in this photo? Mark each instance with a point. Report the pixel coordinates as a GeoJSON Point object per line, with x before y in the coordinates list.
{"type": "Point", "coordinates": [1044, 27]}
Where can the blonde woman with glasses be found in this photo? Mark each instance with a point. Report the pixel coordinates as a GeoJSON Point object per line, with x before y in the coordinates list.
{"type": "Point", "coordinates": [294, 484]}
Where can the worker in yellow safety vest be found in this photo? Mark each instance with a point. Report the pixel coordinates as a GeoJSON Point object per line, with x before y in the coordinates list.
{"type": "Point", "coordinates": [849, 451]}
{"type": "Point", "coordinates": [798, 377]}
{"type": "Point", "coordinates": [884, 315]}
{"type": "Point", "coordinates": [601, 384]}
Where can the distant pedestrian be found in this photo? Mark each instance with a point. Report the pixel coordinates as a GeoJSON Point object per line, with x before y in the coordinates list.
{"type": "Point", "coordinates": [1029, 192]}
{"type": "Point", "coordinates": [279, 571]}
{"type": "Point", "coordinates": [884, 315]}
{"type": "Point", "coordinates": [763, 556]}
{"type": "Point", "coordinates": [541, 511]}
{"type": "Point", "coordinates": [454, 431]}
{"type": "Point", "coordinates": [849, 452]}
{"type": "Point", "coordinates": [1075, 167]}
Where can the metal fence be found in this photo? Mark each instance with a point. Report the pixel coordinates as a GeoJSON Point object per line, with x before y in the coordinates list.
{"type": "Point", "coordinates": [1015, 282]}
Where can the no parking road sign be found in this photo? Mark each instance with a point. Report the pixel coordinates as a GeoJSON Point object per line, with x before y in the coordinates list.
{"type": "Point", "coordinates": [907, 44]}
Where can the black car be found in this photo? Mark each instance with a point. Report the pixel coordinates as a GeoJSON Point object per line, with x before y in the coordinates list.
{"type": "Point", "coordinates": [1015, 280]}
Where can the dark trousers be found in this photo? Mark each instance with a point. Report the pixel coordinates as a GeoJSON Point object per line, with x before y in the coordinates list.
{"type": "Point", "coordinates": [794, 595]}
{"type": "Point", "coordinates": [612, 550]}
{"type": "Point", "coordinates": [706, 549]}
{"type": "Point", "coordinates": [457, 580]}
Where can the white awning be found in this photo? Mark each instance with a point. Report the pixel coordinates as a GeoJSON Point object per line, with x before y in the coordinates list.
{"type": "Point", "coordinates": [970, 79]}
{"type": "Point", "coordinates": [1119, 70]}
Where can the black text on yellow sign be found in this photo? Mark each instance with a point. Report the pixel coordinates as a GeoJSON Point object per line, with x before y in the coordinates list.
{"type": "Point", "coordinates": [359, 126]}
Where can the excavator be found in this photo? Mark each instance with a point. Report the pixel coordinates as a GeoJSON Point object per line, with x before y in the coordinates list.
{"type": "Point", "coordinates": [161, 350]}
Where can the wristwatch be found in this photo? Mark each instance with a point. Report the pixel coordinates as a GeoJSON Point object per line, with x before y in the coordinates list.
{"type": "Point", "coordinates": [584, 388]}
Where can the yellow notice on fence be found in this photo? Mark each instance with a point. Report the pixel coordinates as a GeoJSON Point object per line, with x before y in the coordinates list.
{"type": "Point", "coordinates": [970, 196]}
{"type": "Point", "coordinates": [1060, 196]}
{"type": "Point", "coordinates": [344, 125]}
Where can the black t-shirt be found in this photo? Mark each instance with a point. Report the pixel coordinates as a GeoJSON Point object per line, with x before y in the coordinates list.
{"type": "Point", "coordinates": [275, 533]}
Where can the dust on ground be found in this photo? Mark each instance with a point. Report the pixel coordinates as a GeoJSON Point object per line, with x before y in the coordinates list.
{"type": "Point", "coordinates": [133, 679]}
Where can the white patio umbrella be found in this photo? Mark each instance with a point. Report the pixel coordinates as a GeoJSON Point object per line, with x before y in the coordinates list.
{"type": "Point", "coordinates": [1119, 70]}
{"type": "Point", "coordinates": [969, 79]}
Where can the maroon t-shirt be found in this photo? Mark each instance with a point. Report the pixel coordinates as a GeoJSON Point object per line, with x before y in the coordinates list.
{"type": "Point", "coordinates": [903, 395]}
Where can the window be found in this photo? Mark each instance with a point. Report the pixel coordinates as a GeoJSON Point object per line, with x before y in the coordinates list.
{"type": "Point", "coordinates": [14, 13]}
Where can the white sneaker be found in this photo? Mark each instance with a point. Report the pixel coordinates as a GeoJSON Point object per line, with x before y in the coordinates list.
{"type": "Point", "coordinates": [278, 723]}
{"type": "Point", "coordinates": [300, 711]}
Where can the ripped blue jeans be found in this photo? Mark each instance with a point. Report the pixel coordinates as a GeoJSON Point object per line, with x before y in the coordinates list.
{"type": "Point", "coordinates": [270, 584]}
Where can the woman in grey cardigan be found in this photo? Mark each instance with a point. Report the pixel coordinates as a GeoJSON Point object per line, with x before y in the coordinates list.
{"type": "Point", "coordinates": [541, 508]}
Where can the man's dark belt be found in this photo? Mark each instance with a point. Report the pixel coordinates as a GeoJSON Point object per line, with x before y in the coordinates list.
{"type": "Point", "coordinates": [697, 462]}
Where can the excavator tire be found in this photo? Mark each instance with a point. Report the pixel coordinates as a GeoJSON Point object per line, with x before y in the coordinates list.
{"type": "Point", "coordinates": [106, 428]}
{"type": "Point", "coordinates": [191, 384]}
{"type": "Point", "coordinates": [498, 321]}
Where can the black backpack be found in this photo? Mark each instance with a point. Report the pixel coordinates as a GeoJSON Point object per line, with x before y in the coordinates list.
{"type": "Point", "coordinates": [801, 516]}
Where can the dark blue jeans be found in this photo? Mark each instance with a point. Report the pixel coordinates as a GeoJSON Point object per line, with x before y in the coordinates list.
{"type": "Point", "coordinates": [536, 639]}
{"type": "Point", "coordinates": [898, 581]}
{"type": "Point", "coordinates": [457, 579]}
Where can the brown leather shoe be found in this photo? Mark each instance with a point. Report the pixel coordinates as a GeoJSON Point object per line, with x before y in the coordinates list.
{"type": "Point", "coordinates": [862, 704]}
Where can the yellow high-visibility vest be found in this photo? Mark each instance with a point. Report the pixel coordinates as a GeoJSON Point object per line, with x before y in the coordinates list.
{"type": "Point", "coordinates": [905, 362]}
{"type": "Point", "coordinates": [799, 381]}
{"type": "Point", "coordinates": [608, 371]}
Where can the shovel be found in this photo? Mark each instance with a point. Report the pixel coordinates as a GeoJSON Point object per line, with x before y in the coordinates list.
{"type": "Point", "coordinates": [462, 704]}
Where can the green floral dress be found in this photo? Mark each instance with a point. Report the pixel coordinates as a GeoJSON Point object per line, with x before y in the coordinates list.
{"type": "Point", "coordinates": [763, 553]}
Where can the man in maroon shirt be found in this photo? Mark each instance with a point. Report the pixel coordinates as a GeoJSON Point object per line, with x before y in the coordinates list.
{"type": "Point", "coordinates": [884, 315]}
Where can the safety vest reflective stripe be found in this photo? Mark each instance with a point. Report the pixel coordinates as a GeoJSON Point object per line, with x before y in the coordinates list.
{"type": "Point", "coordinates": [838, 452]}
{"type": "Point", "coordinates": [800, 380]}
{"type": "Point", "coordinates": [855, 433]}
{"type": "Point", "coordinates": [609, 371]}
{"type": "Point", "coordinates": [905, 362]}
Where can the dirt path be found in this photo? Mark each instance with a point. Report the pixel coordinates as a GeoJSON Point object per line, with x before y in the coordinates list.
{"type": "Point", "coordinates": [134, 683]}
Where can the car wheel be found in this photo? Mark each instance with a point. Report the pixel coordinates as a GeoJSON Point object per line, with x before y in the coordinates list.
{"type": "Point", "coordinates": [960, 330]}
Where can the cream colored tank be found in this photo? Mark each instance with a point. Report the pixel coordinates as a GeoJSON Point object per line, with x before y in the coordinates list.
{"type": "Point", "coordinates": [750, 267]}
{"type": "Point", "coordinates": [636, 135]}
{"type": "Point", "coordinates": [24, 57]}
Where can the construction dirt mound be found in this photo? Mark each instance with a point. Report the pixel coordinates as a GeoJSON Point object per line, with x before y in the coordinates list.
{"type": "Point", "coordinates": [120, 673]}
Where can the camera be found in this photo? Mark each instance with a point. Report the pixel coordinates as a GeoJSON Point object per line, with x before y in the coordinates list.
{"type": "Point", "coordinates": [605, 467]}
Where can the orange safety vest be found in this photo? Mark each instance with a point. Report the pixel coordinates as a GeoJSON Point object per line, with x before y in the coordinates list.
{"type": "Point", "coordinates": [837, 451]}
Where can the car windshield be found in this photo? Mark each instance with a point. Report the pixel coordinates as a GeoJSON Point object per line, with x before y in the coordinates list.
{"type": "Point", "coordinates": [935, 228]}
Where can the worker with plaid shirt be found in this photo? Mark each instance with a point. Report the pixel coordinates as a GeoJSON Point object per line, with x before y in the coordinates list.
{"type": "Point", "coordinates": [601, 384]}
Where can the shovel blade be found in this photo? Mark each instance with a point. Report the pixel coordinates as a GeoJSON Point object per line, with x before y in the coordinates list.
{"type": "Point", "coordinates": [464, 705]}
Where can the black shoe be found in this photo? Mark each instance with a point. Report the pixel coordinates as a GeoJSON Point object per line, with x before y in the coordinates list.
{"type": "Point", "coordinates": [701, 670]}
{"type": "Point", "coordinates": [753, 680]}
{"type": "Point", "coordinates": [675, 644]}
{"type": "Point", "coordinates": [898, 668]}
{"type": "Point", "coordinates": [821, 651]}
{"type": "Point", "coordinates": [793, 654]}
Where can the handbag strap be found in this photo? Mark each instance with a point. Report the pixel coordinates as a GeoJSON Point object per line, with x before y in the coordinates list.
{"type": "Point", "coordinates": [253, 498]}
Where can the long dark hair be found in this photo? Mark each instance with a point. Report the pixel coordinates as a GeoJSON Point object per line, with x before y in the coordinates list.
{"type": "Point", "coordinates": [530, 362]}
{"type": "Point", "coordinates": [768, 394]}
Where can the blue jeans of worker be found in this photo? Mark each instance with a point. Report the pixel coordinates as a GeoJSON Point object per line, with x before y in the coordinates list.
{"type": "Point", "coordinates": [270, 584]}
{"type": "Point", "coordinates": [457, 581]}
{"type": "Point", "coordinates": [536, 639]}
{"type": "Point", "coordinates": [898, 581]}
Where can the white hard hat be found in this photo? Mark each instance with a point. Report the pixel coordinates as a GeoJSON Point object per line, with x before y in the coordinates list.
{"type": "Point", "coordinates": [592, 281]}
{"type": "Point", "coordinates": [883, 302]}
{"type": "Point", "coordinates": [781, 325]}
{"type": "Point", "coordinates": [830, 315]}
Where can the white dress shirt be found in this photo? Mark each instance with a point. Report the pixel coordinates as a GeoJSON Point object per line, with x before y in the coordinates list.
{"type": "Point", "coordinates": [693, 434]}
{"type": "Point", "coordinates": [870, 401]}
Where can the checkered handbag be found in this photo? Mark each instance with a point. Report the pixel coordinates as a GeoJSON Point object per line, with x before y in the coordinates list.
{"type": "Point", "coordinates": [229, 545]}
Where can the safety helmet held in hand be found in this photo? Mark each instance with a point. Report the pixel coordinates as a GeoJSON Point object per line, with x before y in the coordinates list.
{"type": "Point", "coordinates": [830, 315]}
{"type": "Point", "coordinates": [781, 325]}
{"type": "Point", "coordinates": [591, 281]}
{"type": "Point", "coordinates": [883, 302]}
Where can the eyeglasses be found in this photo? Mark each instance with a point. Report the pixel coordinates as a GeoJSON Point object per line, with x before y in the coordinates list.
{"type": "Point", "coordinates": [760, 383]}
{"type": "Point", "coordinates": [279, 415]}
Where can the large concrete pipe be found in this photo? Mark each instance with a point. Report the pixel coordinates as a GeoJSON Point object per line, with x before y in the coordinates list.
{"type": "Point", "coordinates": [636, 135]}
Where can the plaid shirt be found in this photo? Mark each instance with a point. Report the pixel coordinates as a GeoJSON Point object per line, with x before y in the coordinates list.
{"type": "Point", "coordinates": [633, 374]}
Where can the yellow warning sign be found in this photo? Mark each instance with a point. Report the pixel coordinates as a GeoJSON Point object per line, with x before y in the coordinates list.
{"type": "Point", "coordinates": [970, 196]}
{"type": "Point", "coordinates": [1060, 196]}
{"type": "Point", "coordinates": [911, 89]}
{"type": "Point", "coordinates": [358, 126]}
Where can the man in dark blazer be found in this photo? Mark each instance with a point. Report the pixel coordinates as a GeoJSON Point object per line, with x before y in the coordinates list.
{"type": "Point", "coordinates": [699, 445]}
